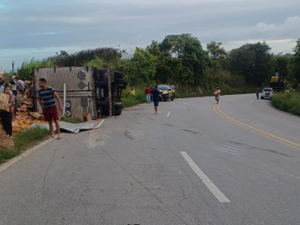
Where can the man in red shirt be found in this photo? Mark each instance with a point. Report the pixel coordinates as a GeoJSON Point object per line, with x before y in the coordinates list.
{"type": "Point", "coordinates": [147, 93]}
{"type": "Point", "coordinates": [151, 89]}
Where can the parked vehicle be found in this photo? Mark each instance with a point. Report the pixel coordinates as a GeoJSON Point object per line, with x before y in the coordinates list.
{"type": "Point", "coordinates": [167, 91]}
{"type": "Point", "coordinates": [86, 89]}
{"type": "Point", "coordinates": [267, 93]}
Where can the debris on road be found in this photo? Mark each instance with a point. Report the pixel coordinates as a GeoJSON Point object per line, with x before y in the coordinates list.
{"type": "Point", "coordinates": [76, 127]}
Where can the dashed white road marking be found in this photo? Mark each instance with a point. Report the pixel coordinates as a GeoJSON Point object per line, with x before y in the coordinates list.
{"type": "Point", "coordinates": [168, 114]}
{"type": "Point", "coordinates": [208, 183]}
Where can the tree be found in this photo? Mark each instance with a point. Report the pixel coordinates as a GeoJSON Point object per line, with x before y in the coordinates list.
{"type": "Point", "coordinates": [188, 50]}
{"type": "Point", "coordinates": [295, 62]}
{"type": "Point", "coordinates": [281, 66]}
{"type": "Point", "coordinates": [62, 53]}
{"type": "Point", "coordinates": [144, 64]}
{"type": "Point", "coordinates": [254, 62]}
{"type": "Point", "coordinates": [215, 50]}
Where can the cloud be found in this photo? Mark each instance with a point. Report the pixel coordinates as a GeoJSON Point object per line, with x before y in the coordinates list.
{"type": "Point", "coordinates": [42, 28]}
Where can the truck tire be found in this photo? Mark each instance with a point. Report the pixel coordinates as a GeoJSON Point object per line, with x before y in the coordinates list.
{"type": "Point", "coordinates": [101, 83]}
{"type": "Point", "coordinates": [101, 103]}
{"type": "Point", "coordinates": [119, 81]}
{"type": "Point", "coordinates": [119, 75]}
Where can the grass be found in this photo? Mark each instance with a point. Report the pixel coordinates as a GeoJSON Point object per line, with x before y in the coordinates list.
{"type": "Point", "coordinates": [130, 100]}
{"type": "Point", "coordinates": [288, 101]}
{"type": "Point", "coordinates": [71, 120]}
{"type": "Point", "coordinates": [133, 100]}
{"type": "Point", "coordinates": [23, 140]}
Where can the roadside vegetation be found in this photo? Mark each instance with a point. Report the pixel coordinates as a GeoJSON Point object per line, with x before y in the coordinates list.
{"type": "Point", "coordinates": [181, 60]}
{"type": "Point", "coordinates": [22, 141]}
{"type": "Point", "coordinates": [71, 120]}
{"type": "Point", "coordinates": [289, 102]}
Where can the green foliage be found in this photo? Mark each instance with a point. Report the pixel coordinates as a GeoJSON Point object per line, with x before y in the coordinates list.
{"type": "Point", "coordinates": [186, 53]}
{"type": "Point", "coordinates": [254, 62]}
{"type": "Point", "coordinates": [180, 60]}
{"type": "Point", "coordinates": [295, 62]}
{"type": "Point", "coordinates": [144, 64]}
{"type": "Point", "coordinates": [82, 57]}
{"type": "Point", "coordinates": [215, 50]}
{"type": "Point", "coordinates": [281, 66]}
{"type": "Point", "coordinates": [27, 67]}
{"type": "Point", "coordinates": [288, 101]}
{"type": "Point", "coordinates": [130, 100]}
{"type": "Point", "coordinates": [22, 141]}
{"type": "Point", "coordinates": [72, 120]}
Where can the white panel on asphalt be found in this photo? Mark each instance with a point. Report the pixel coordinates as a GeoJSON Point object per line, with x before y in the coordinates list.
{"type": "Point", "coordinates": [208, 183]}
{"type": "Point", "coordinates": [168, 114]}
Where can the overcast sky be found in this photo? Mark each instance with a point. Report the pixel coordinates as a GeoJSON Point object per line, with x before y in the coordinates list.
{"type": "Point", "coordinates": [39, 28]}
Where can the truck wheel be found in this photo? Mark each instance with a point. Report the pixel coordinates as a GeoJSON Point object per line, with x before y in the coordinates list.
{"type": "Point", "coordinates": [119, 81]}
{"type": "Point", "coordinates": [118, 75]}
{"type": "Point", "coordinates": [101, 103]}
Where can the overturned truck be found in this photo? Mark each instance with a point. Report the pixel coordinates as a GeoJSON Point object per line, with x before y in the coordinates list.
{"type": "Point", "coordinates": [84, 90]}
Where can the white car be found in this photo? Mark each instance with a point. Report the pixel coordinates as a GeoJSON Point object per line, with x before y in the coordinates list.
{"type": "Point", "coordinates": [267, 93]}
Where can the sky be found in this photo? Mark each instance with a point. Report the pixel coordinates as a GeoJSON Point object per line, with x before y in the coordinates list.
{"type": "Point", "coordinates": [39, 28]}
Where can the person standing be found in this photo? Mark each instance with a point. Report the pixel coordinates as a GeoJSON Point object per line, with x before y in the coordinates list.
{"type": "Point", "coordinates": [257, 93]}
{"type": "Point", "coordinates": [13, 88]}
{"type": "Point", "coordinates": [217, 94]}
{"type": "Point", "coordinates": [6, 117]}
{"type": "Point", "coordinates": [132, 92]}
{"type": "Point", "coordinates": [147, 94]}
{"type": "Point", "coordinates": [151, 89]}
{"type": "Point", "coordinates": [156, 95]}
{"type": "Point", "coordinates": [19, 83]}
{"type": "Point", "coordinates": [46, 99]}
{"type": "Point", "coordinates": [1, 86]}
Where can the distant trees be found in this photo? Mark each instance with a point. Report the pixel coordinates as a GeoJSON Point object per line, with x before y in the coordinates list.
{"type": "Point", "coordinates": [254, 62]}
{"type": "Point", "coordinates": [215, 50]}
{"type": "Point", "coordinates": [180, 59]}
{"type": "Point", "coordinates": [295, 62]}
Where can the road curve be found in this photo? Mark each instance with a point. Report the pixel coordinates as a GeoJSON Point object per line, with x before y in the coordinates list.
{"type": "Point", "coordinates": [193, 163]}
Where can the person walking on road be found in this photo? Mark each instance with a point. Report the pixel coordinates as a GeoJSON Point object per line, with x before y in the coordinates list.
{"type": "Point", "coordinates": [156, 95]}
{"type": "Point", "coordinates": [46, 100]}
{"type": "Point", "coordinates": [217, 94]}
{"type": "Point", "coordinates": [147, 94]}
{"type": "Point", "coordinates": [6, 117]}
{"type": "Point", "coordinates": [257, 93]}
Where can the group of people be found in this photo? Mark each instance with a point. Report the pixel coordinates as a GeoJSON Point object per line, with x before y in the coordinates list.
{"type": "Point", "coordinates": [46, 96]}
{"type": "Point", "coordinates": [11, 90]}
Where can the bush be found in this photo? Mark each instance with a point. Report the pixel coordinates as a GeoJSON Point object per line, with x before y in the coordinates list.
{"type": "Point", "coordinates": [288, 101]}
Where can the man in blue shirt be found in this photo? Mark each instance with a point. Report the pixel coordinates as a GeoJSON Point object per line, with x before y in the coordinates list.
{"type": "Point", "coordinates": [1, 86]}
{"type": "Point", "coordinates": [156, 95]}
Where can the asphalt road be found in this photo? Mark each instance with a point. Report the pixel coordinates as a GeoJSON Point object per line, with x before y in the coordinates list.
{"type": "Point", "coordinates": [193, 163]}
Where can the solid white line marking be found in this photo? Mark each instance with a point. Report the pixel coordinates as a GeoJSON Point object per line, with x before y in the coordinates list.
{"type": "Point", "coordinates": [208, 183]}
{"type": "Point", "coordinates": [99, 124]}
{"type": "Point", "coordinates": [168, 114]}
